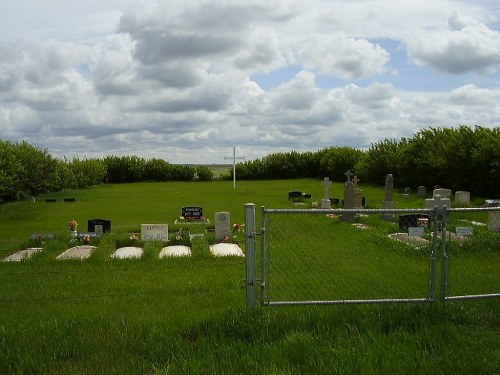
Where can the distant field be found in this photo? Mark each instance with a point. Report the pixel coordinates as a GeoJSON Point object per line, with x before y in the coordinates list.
{"type": "Point", "coordinates": [188, 316]}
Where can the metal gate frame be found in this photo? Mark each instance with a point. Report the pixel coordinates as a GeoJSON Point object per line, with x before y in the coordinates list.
{"type": "Point", "coordinates": [438, 215]}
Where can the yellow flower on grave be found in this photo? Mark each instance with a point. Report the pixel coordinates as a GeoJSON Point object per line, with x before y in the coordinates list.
{"type": "Point", "coordinates": [72, 224]}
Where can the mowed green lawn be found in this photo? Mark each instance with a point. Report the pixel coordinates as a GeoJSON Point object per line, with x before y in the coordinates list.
{"type": "Point", "coordinates": [104, 316]}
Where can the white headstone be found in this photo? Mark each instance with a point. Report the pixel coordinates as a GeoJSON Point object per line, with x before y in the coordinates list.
{"type": "Point", "coordinates": [154, 232]}
{"type": "Point", "coordinates": [222, 226]}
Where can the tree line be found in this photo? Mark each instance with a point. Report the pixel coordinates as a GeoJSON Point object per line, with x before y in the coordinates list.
{"type": "Point", "coordinates": [461, 158]}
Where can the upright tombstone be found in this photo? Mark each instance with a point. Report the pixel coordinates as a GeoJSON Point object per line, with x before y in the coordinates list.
{"type": "Point", "coordinates": [348, 201]}
{"type": "Point", "coordinates": [99, 226]}
{"type": "Point", "coordinates": [358, 194]}
{"type": "Point", "coordinates": [462, 198]}
{"type": "Point", "coordinates": [154, 232]}
{"type": "Point", "coordinates": [422, 191]}
{"type": "Point", "coordinates": [442, 192]}
{"type": "Point", "coordinates": [388, 202]}
{"type": "Point", "coordinates": [437, 201]}
{"type": "Point", "coordinates": [325, 202]}
{"type": "Point", "coordinates": [222, 226]}
{"type": "Point", "coordinates": [192, 212]}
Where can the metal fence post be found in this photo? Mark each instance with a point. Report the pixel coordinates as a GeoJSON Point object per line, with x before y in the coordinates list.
{"type": "Point", "coordinates": [263, 254]}
{"type": "Point", "coordinates": [433, 257]}
{"type": "Point", "coordinates": [250, 241]}
{"type": "Point", "coordinates": [444, 256]}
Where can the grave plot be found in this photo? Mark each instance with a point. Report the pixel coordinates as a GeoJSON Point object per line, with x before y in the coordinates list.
{"type": "Point", "coordinates": [128, 252]}
{"type": "Point", "coordinates": [226, 249]}
{"type": "Point", "coordinates": [175, 251]}
{"type": "Point", "coordinates": [23, 254]}
{"type": "Point", "coordinates": [78, 252]}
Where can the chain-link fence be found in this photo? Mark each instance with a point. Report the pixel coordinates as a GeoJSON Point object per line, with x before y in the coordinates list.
{"type": "Point", "coordinates": [376, 255]}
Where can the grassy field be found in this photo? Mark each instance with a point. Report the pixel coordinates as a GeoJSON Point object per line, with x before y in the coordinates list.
{"type": "Point", "coordinates": [178, 316]}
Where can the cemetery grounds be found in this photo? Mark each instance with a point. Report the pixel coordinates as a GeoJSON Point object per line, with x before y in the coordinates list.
{"type": "Point", "coordinates": [188, 315]}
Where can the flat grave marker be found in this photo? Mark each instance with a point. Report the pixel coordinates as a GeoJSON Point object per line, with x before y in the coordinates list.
{"type": "Point", "coordinates": [23, 254]}
{"type": "Point", "coordinates": [175, 251]}
{"type": "Point", "coordinates": [78, 252]}
{"type": "Point", "coordinates": [127, 253]}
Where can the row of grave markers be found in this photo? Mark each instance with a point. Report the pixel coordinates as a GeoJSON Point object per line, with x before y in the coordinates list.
{"type": "Point", "coordinates": [83, 252]}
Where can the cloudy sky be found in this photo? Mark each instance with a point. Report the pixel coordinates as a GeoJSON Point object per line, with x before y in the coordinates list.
{"type": "Point", "coordinates": [186, 80]}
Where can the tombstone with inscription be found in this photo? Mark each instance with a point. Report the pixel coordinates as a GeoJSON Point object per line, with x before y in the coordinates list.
{"type": "Point", "coordinates": [222, 226]}
{"type": "Point", "coordinates": [192, 213]}
{"type": "Point", "coordinates": [99, 226]}
{"type": "Point", "coordinates": [388, 202]}
{"type": "Point", "coordinates": [325, 202]}
{"type": "Point", "coordinates": [154, 232]}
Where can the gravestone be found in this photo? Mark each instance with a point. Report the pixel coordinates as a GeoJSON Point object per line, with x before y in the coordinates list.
{"type": "Point", "coordinates": [422, 191]}
{"type": "Point", "coordinates": [222, 226]}
{"type": "Point", "coordinates": [348, 201]}
{"type": "Point", "coordinates": [358, 194]}
{"type": "Point", "coordinates": [78, 252]}
{"type": "Point", "coordinates": [494, 221]}
{"type": "Point", "coordinates": [127, 253]}
{"type": "Point", "coordinates": [442, 192]}
{"type": "Point", "coordinates": [154, 232]}
{"type": "Point", "coordinates": [437, 201]}
{"type": "Point", "coordinates": [23, 254]}
{"type": "Point", "coordinates": [175, 251]}
{"type": "Point", "coordinates": [192, 213]}
{"type": "Point", "coordinates": [413, 220]}
{"type": "Point", "coordinates": [464, 231]}
{"type": "Point", "coordinates": [99, 226]}
{"type": "Point", "coordinates": [416, 231]}
{"type": "Point", "coordinates": [294, 194]}
{"type": "Point", "coordinates": [388, 202]}
{"type": "Point", "coordinates": [325, 202]}
{"type": "Point", "coordinates": [462, 198]}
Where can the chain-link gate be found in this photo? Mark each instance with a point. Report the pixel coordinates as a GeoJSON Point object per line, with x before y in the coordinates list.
{"type": "Point", "coordinates": [333, 256]}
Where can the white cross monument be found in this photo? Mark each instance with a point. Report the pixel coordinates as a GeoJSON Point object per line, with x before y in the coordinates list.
{"type": "Point", "coordinates": [234, 165]}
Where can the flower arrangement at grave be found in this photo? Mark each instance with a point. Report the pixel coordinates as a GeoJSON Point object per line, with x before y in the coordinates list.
{"type": "Point", "coordinates": [237, 232]}
{"type": "Point", "coordinates": [72, 224]}
{"type": "Point", "coordinates": [86, 239]}
{"type": "Point", "coordinates": [192, 219]}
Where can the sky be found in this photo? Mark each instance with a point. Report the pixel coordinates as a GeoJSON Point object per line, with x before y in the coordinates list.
{"type": "Point", "coordinates": [188, 80]}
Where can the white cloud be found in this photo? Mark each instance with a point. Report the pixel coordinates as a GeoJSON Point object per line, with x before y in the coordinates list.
{"type": "Point", "coordinates": [468, 46]}
{"type": "Point", "coordinates": [179, 79]}
{"type": "Point", "coordinates": [343, 57]}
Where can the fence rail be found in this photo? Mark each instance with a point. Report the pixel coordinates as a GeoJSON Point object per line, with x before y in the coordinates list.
{"type": "Point", "coordinates": [355, 256]}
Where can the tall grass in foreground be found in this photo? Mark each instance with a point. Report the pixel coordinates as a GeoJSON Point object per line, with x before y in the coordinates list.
{"type": "Point", "coordinates": [457, 338]}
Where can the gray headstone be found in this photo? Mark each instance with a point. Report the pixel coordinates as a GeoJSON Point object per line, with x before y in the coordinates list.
{"type": "Point", "coordinates": [222, 225]}
{"type": "Point", "coordinates": [462, 198]}
{"type": "Point", "coordinates": [325, 202]}
{"type": "Point", "coordinates": [348, 201]}
{"type": "Point", "coordinates": [388, 202]}
{"type": "Point", "coordinates": [422, 191]}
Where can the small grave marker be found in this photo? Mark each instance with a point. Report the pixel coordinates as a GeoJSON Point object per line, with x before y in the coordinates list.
{"type": "Point", "coordinates": [416, 231]}
{"type": "Point", "coordinates": [464, 231]}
